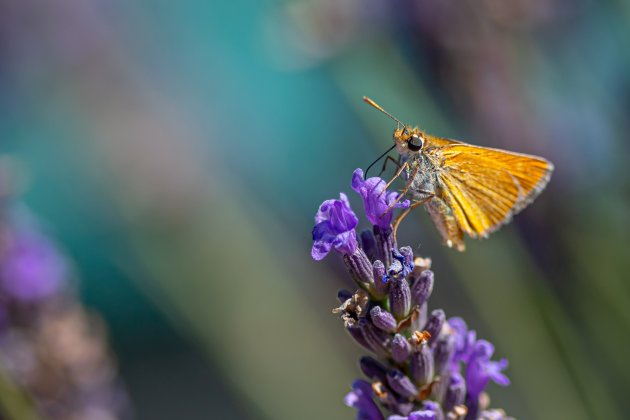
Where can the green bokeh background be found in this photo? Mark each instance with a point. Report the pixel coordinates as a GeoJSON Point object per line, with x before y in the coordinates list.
{"type": "Point", "coordinates": [178, 151]}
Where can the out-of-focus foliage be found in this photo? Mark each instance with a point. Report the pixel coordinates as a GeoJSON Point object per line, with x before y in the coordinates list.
{"type": "Point", "coordinates": [180, 149]}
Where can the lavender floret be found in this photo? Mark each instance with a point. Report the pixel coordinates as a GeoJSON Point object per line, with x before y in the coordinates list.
{"type": "Point", "coordinates": [400, 383]}
{"type": "Point", "coordinates": [373, 369]}
{"type": "Point", "coordinates": [359, 267]}
{"type": "Point", "coordinates": [422, 287]}
{"type": "Point", "coordinates": [443, 352]}
{"type": "Point", "coordinates": [381, 283]}
{"type": "Point", "coordinates": [421, 365]}
{"type": "Point", "coordinates": [377, 201]}
{"type": "Point", "coordinates": [434, 324]}
{"type": "Point", "coordinates": [455, 392]}
{"type": "Point", "coordinates": [400, 297]}
{"type": "Point", "coordinates": [383, 319]}
{"type": "Point", "coordinates": [334, 228]}
{"type": "Point", "coordinates": [401, 349]}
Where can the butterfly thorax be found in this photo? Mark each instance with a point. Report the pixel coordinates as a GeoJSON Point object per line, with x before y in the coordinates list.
{"type": "Point", "coordinates": [421, 170]}
{"type": "Point", "coordinates": [424, 172]}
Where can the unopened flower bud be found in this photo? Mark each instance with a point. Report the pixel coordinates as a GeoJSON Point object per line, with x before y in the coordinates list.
{"type": "Point", "coordinates": [399, 297]}
{"type": "Point", "coordinates": [455, 392]}
{"type": "Point", "coordinates": [401, 384]}
{"type": "Point", "coordinates": [420, 320]}
{"type": "Point", "coordinates": [359, 267]}
{"type": "Point", "coordinates": [422, 365]}
{"type": "Point", "coordinates": [343, 295]}
{"type": "Point", "coordinates": [376, 339]}
{"type": "Point", "coordinates": [383, 319]}
{"type": "Point", "coordinates": [373, 369]}
{"type": "Point", "coordinates": [434, 324]}
{"type": "Point", "coordinates": [400, 348]}
{"type": "Point", "coordinates": [381, 285]}
{"type": "Point", "coordinates": [384, 244]}
{"type": "Point", "coordinates": [422, 287]}
{"type": "Point", "coordinates": [357, 333]}
{"type": "Point", "coordinates": [435, 408]}
{"type": "Point", "coordinates": [443, 351]}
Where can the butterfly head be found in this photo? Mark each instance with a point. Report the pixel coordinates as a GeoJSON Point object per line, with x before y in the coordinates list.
{"type": "Point", "coordinates": [408, 140]}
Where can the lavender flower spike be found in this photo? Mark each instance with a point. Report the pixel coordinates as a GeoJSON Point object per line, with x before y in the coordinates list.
{"type": "Point", "coordinates": [334, 228]}
{"type": "Point", "coordinates": [424, 366]}
{"type": "Point", "coordinates": [377, 202]}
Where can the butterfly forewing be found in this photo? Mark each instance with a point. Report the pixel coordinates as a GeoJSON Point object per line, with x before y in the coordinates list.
{"type": "Point", "coordinates": [484, 187]}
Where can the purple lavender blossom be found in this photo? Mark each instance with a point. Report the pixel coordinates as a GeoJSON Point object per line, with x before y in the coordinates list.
{"type": "Point", "coordinates": [32, 268]}
{"type": "Point", "coordinates": [464, 341]}
{"type": "Point", "coordinates": [428, 367]}
{"type": "Point", "coordinates": [430, 411]}
{"type": "Point", "coordinates": [39, 311]}
{"type": "Point", "coordinates": [361, 398]}
{"type": "Point", "coordinates": [334, 228]}
{"type": "Point", "coordinates": [481, 369]}
{"type": "Point", "coordinates": [377, 202]}
{"type": "Point", "coordinates": [416, 415]}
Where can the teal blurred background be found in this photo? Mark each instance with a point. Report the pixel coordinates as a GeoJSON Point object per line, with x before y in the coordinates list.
{"type": "Point", "coordinates": [179, 150]}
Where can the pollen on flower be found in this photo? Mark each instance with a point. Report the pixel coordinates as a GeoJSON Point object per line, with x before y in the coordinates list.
{"type": "Point", "coordinates": [379, 390]}
{"type": "Point", "coordinates": [460, 410]}
{"type": "Point", "coordinates": [421, 337]}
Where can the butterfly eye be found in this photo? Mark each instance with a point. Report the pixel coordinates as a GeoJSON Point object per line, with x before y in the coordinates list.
{"type": "Point", "coordinates": [415, 143]}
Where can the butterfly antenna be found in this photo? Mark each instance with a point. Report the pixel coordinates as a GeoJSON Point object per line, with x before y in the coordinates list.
{"type": "Point", "coordinates": [377, 159]}
{"type": "Point", "coordinates": [377, 106]}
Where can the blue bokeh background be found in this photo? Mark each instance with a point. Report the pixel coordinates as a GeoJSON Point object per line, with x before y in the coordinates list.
{"type": "Point", "coordinates": [178, 151]}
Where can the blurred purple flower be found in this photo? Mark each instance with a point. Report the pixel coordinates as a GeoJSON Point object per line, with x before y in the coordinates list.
{"type": "Point", "coordinates": [361, 398]}
{"type": "Point", "coordinates": [481, 369]}
{"type": "Point", "coordinates": [416, 415]}
{"type": "Point", "coordinates": [334, 228]}
{"type": "Point", "coordinates": [376, 201]}
{"type": "Point", "coordinates": [49, 344]}
{"type": "Point", "coordinates": [430, 411]}
{"type": "Point", "coordinates": [464, 341]}
{"type": "Point", "coordinates": [32, 268]}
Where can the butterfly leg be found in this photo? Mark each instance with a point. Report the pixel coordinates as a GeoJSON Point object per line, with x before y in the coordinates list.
{"type": "Point", "coordinates": [404, 214]}
{"type": "Point", "coordinates": [387, 159]}
{"type": "Point", "coordinates": [398, 172]}
{"type": "Point", "coordinates": [404, 191]}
